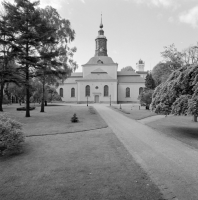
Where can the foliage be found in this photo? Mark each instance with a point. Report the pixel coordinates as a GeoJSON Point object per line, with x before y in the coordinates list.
{"type": "Point", "coordinates": [16, 90]}
{"type": "Point", "coordinates": [127, 68]}
{"type": "Point", "coordinates": [146, 97]}
{"type": "Point", "coordinates": [173, 57]}
{"type": "Point", "coordinates": [56, 55]}
{"type": "Point", "coordinates": [40, 40]}
{"type": "Point", "coordinates": [74, 119]}
{"type": "Point", "coordinates": [161, 72]}
{"type": "Point", "coordinates": [190, 55]}
{"type": "Point", "coordinates": [149, 82]}
{"type": "Point", "coordinates": [11, 136]}
{"type": "Point", "coordinates": [179, 94]}
{"type": "Point", "coordinates": [176, 59]}
{"type": "Point", "coordinates": [30, 30]}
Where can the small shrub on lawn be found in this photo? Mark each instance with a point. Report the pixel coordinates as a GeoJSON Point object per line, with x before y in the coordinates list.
{"type": "Point", "coordinates": [11, 136]}
{"type": "Point", "coordinates": [74, 119]}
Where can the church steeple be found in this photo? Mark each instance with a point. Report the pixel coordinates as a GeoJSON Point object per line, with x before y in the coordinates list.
{"type": "Point", "coordinates": [101, 42]}
{"type": "Point", "coordinates": [101, 25]}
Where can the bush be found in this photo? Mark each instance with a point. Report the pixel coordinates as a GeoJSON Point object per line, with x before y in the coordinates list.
{"type": "Point", "coordinates": [146, 98]}
{"type": "Point", "coordinates": [74, 119]}
{"type": "Point", "coordinates": [11, 136]}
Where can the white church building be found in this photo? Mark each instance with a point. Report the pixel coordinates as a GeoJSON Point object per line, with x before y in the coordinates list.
{"type": "Point", "coordinates": [100, 82]}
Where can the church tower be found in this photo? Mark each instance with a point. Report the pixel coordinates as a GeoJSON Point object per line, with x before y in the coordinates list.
{"type": "Point", "coordinates": [140, 65]}
{"type": "Point", "coordinates": [101, 42]}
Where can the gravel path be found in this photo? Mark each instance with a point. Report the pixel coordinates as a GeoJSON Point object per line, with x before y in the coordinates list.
{"type": "Point", "coordinates": [172, 165]}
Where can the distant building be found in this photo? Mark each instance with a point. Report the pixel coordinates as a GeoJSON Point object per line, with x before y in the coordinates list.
{"type": "Point", "coordinates": [100, 82]}
{"type": "Point", "coordinates": [140, 69]}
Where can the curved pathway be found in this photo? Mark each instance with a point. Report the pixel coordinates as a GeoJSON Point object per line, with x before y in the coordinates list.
{"type": "Point", "coordinates": [172, 165]}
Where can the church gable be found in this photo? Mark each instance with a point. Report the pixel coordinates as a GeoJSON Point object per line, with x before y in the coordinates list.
{"type": "Point", "coordinates": [98, 71]}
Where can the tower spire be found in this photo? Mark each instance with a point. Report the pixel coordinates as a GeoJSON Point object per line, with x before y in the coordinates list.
{"type": "Point", "coordinates": [101, 25]}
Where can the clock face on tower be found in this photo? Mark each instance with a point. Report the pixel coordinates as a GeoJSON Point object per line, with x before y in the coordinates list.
{"type": "Point", "coordinates": [102, 48]}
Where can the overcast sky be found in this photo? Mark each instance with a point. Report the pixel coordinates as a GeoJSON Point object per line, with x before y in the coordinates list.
{"type": "Point", "coordinates": [134, 28]}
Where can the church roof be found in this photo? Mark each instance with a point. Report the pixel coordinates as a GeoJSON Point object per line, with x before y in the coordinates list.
{"type": "Point", "coordinates": [141, 72]}
{"type": "Point", "coordinates": [98, 71]}
{"type": "Point", "coordinates": [76, 74]}
{"type": "Point", "coordinates": [127, 73]}
{"type": "Point", "coordinates": [100, 60]}
{"type": "Point", "coordinates": [130, 79]}
{"type": "Point", "coordinates": [97, 76]}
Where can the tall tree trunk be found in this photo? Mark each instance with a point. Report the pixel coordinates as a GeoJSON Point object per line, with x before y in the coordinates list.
{"type": "Point", "coordinates": [195, 118]}
{"type": "Point", "coordinates": [27, 84]}
{"type": "Point", "coordinates": [27, 70]}
{"type": "Point", "coordinates": [1, 96]}
{"type": "Point", "coordinates": [27, 93]}
{"type": "Point", "coordinates": [43, 100]}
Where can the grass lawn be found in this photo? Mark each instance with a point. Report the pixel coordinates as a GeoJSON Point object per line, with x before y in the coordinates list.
{"type": "Point", "coordinates": [88, 165]}
{"type": "Point", "coordinates": [179, 127]}
{"type": "Point", "coordinates": [56, 119]}
{"type": "Point", "coordinates": [133, 111]}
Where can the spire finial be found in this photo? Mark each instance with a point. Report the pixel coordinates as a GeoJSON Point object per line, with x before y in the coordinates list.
{"type": "Point", "coordinates": [101, 25]}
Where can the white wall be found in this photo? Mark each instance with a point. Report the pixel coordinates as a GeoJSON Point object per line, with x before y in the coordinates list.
{"type": "Point", "coordinates": [67, 92]}
{"type": "Point", "coordinates": [99, 91]}
{"type": "Point", "coordinates": [110, 69]}
{"type": "Point", "coordinates": [134, 91]}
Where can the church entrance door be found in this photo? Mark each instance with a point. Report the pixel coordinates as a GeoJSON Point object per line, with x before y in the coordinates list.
{"type": "Point", "coordinates": [96, 98]}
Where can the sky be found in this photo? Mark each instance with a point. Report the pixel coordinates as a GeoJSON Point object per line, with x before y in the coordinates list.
{"type": "Point", "coordinates": [135, 29]}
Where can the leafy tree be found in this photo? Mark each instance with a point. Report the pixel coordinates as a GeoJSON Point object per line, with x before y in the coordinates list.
{"type": "Point", "coordinates": [149, 81]}
{"type": "Point", "coordinates": [173, 57]}
{"type": "Point", "coordinates": [190, 55]}
{"type": "Point", "coordinates": [145, 97]}
{"type": "Point", "coordinates": [16, 90]}
{"type": "Point", "coordinates": [161, 72]}
{"type": "Point", "coordinates": [26, 21]}
{"type": "Point", "coordinates": [179, 94]}
{"type": "Point", "coordinates": [8, 51]}
{"type": "Point", "coordinates": [57, 62]}
{"type": "Point", "coordinates": [127, 68]}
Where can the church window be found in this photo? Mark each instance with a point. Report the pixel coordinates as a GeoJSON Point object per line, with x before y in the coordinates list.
{"type": "Point", "coordinates": [73, 92]}
{"type": "Point", "coordinates": [61, 92]}
{"type": "Point", "coordinates": [87, 90]}
{"type": "Point", "coordinates": [140, 90]}
{"type": "Point", "coordinates": [106, 90]}
{"type": "Point", "coordinates": [127, 92]}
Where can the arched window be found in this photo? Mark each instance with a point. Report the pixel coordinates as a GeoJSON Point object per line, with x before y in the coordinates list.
{"type": "Point", "coordinates": [127, 92]}
{"type": "Point", "coordinates": [61, 92]}
{"type": "Point", "coordinates": [106, 91]}
{"type": "Point", "coordinates": [140, 90]}
{"type": "Point", "coordinates": [73, 92]}
{"type": "Point", "coordinates": [87, 90]}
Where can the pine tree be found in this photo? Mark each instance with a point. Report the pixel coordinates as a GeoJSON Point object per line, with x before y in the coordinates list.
{"type": "Point", "coordinates": [149, 82]}
{"type": "Point", "coordinates": [30, 31]}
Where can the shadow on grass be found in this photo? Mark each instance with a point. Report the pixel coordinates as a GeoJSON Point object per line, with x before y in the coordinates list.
{"type": "Point", "coordinates": [185, 132]}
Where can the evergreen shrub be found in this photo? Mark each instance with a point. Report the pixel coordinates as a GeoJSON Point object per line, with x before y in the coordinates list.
{"type": "Point", "coordinates": [11, 136]}
{"type": "Point", "coordinates": [74, 119]}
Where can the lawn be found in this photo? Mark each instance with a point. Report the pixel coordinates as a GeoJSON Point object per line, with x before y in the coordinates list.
{"type": "Point", "coordinates": [56, 119]}
{"type": "Point", "coordinates": [74, 166]}
{"type": "Point", "coordinates": [133, 111]}
{"type": "Point", "coordinates": [181, 128]}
